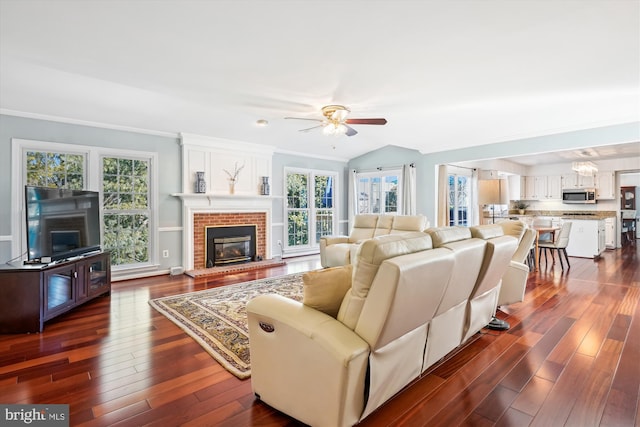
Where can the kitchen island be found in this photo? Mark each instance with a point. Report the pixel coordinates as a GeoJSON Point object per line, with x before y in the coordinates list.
{"type": "Point", "coordinates": [587, 238]}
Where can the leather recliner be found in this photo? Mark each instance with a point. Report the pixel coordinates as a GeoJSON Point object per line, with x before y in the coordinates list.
{"type": "Point", "coordinates": [340, 250]}
{"type": "Point", "coordinates": [404, 301]}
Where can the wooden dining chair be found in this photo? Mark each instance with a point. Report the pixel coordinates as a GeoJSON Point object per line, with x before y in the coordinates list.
{"type": "Point", "coordinates": [559, 245]}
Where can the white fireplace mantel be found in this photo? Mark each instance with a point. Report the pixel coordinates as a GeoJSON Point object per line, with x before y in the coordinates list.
{"type": "Point", "coordinates": [195, 203]}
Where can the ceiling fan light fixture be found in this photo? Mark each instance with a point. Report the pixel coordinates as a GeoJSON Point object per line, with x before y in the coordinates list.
{"type": "Point", "coordinates": [329, 129]}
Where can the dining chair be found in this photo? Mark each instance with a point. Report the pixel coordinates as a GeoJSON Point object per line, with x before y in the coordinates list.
{"type": "Point", "coordinates": [559, 245]}
{"type": "Point", "coordinates": [542, 222]}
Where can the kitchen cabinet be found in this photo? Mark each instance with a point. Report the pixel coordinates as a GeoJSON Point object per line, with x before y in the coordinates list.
{"type": "Point", "coordinates": [542, 187]}
{"type": "Point", "coordinates": [587, 238]}
{"type": "Point", "coordinates": [605, 186]}
{"type": "Point", "coordinates": [573, 180]}
{"type": "Point", "coordinates": [610, 232]}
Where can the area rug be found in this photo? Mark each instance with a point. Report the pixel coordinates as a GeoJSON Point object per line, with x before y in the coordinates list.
{"type": "Point", "coordinates": [217, 318]}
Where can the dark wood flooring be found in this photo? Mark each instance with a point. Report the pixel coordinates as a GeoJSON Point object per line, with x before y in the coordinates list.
{"type": "Point", "coordinates": [571, 358]}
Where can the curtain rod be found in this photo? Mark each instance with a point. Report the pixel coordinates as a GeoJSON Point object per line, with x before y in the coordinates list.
{"type": "Point", "coordinates": [461, 167]}
{"type": "Point", "coordinates": [381, 168]}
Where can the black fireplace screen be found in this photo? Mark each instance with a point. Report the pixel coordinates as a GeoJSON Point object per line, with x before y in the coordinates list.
{"type": "Point", "coordinates": [230, 244]}
{"type": "Point", "coordinates": [231, 249]}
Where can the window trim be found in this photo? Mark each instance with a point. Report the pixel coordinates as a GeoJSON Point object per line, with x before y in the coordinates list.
{"type": "Point", "coordinates": [382, 174]}
{"type": "Point", "coordinates": [93, 181]}
{"type": "Point", "coordinates": [313, 246]}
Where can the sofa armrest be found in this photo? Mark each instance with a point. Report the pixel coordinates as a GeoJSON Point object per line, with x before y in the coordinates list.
{"type": "Point", "coordinates": [514, 283]}
{"type": "Point", "coordinates": [301, 356]}
{"type": "Point", "coordinates": [334, 251]}
{"type": "Point", "coordinates": [332, 240]}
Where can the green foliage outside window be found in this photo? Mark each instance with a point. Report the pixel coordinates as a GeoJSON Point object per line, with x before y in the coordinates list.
{"type": "Point", "coordinates": [55, 170]}
{"type": "Point", "coordinates": [300, 212]}
{"type": "Point", "coordinates": [125, 186]}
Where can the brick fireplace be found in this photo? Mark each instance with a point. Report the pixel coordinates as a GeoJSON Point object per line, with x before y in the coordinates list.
{"type": "Point", "coordinates": [203, 210]}
{"type": "Point", "coordinates": [203, 220]}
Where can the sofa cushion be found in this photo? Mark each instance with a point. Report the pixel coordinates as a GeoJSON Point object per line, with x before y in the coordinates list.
{"type": "Point", "coordinates": [324, 289]}
{"type": "Point", "coordinates": [371, 254]}
{"type": "Point", "coordinates": [488, 231]}
{"type": "Point", "coordinates": [443, 235]}
{"type": "Point", "coordinates": [385, 223]}
{"type": "Point", "coordinates": [364, 227]}
{"type": "Point", "coordinates": [403, 223]}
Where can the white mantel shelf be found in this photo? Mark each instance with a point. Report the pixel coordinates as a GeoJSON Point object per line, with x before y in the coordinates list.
{"type": "Point", "coordinates": [210, 196]}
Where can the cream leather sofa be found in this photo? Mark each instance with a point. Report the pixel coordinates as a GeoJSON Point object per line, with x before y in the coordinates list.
{"type": "Point", "coordinates": [514, 282]}
{"type": "Point", "coordinates": [338, 250]}
{"type": "Point", "coordinates": [409, 300]}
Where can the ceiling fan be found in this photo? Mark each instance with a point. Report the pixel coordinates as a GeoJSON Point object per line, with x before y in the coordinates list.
{"type": "Point", "coordinates": [336, 121]}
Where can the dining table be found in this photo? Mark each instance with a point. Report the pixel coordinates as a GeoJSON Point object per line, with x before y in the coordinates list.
{"type": "Point", "coordinates": [542, 229]}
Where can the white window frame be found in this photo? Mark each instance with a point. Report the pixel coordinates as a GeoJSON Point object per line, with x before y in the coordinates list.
{"type": "Point", "coordinates": [382, 174]}
{"type": "Point", "coordinates": [313, 245]}
{"type": "Point", "coordinates": [93, 181]}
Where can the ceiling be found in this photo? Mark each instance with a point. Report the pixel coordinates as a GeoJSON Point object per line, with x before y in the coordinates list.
{"type": "Point", "coordinates": [613, 151]}
{"type": "Point", "coordinates": [445, 74]}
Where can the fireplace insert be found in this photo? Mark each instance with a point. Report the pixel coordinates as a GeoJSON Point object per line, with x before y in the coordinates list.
{"type": "Point", "coordinates": [230, 244]}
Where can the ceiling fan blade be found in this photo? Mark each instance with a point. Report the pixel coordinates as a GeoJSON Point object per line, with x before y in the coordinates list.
{"type": "Point", "coordinates": [303, 118]}
{"type": "Point", "coordinates": [350, 131]}
{"type": "Point", "coordinates": [311, 128]}
{"type": "Point", "coordinates": [366, 121]}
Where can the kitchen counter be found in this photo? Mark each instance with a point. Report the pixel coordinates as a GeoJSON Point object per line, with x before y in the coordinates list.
{"type": "Point", "coordinates": [566, 214]}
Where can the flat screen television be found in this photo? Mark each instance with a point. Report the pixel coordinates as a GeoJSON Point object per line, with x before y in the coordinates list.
{"type": "Point", "coordinates": [61, 223]}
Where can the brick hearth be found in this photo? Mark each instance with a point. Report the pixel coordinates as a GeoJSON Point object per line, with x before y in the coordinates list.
{"type": "Point", "coordinates": [203, 220]}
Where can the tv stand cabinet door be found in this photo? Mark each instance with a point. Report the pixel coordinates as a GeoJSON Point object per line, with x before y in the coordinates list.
{"type": "Point", "coordinates": [59, 290]}
{"type": "Point", "coordinates": [98, 274]}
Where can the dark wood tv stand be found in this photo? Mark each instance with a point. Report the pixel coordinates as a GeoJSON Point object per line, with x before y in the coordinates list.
{"type": "Point", "coordinates": [32, 294]}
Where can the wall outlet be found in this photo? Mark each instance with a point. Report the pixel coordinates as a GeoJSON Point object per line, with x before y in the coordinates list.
{"type": "Point", "coordinates": [280, 243]}
{"type": "Point", "coordinates": [165, 253]}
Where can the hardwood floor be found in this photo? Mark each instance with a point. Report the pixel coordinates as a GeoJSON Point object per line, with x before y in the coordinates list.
{"type": "Point", "coordinates": [569, 359]}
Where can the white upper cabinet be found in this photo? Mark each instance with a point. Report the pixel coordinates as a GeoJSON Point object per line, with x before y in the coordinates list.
{"type": "Point", "coordinates": [554, 187]}
{"type": "Point", "coordinates": [541, 187]}
{"type": "Point", "coordinates": [605, 186]}
{"type": "Point", "coordinates": [573, 180]}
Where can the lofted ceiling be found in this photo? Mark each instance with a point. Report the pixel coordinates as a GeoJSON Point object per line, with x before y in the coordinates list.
{"type": "Point", "coordinates": [445, 74]}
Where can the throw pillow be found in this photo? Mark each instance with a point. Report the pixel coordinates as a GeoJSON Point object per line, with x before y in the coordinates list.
{"type": "Point", "coordinates": [324, 289]}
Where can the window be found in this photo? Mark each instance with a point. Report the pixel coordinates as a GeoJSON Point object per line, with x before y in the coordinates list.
{"type": "Point", "coordinates": [124, 178]}
{"type": "Point", "coordinates": [378, 192]}
{"type": "Point", "coordinates": [459, 199]}
{"type": "Point", "coordinates": [125, 189]}
{"type": "Point", "coordinates": [55, 170]}
{"type": "Point", "coordinates": [310, 207]}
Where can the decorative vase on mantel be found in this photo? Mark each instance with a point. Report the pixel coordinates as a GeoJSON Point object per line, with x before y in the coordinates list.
{"type": "Point", "coordinates": [232, 186]}
{"type": "Point", "coordinates": [201, 184]}
{"type": "Point", "coordinates": [264, 187]}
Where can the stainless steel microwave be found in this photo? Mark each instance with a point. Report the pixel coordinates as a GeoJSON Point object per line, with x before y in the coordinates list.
{"type": "Point", "coordinates": [579, 195]}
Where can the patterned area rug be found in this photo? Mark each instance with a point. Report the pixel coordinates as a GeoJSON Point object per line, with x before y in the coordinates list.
{"type": "Point", "coordinates": [217, 318]}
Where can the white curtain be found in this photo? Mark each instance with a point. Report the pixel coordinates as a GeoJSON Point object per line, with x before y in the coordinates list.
{"type": "Point", "coordinates": [443, 196]}
{"type": "Point", "coordinates": [473, 203]}
{"type": "Point", "coordinates": [353, 196]}
{"type": "Point", "coordinates": [409, 189]}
